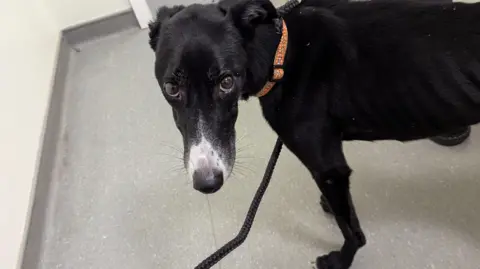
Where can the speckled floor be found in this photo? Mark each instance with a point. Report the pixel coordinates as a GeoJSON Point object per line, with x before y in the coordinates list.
{"type": "Point", "coordinates": [120, 199]}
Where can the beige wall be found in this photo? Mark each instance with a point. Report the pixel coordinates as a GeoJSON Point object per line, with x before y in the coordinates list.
{"type": "Point", "coordinates": [31, 33]}
{"type": "Point", "coordinates": [69, 13]}
{"type": "Point", "coordinates": [27, 53]}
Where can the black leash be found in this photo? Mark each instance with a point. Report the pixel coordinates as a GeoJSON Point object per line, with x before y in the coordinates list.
{"type": "Point", "coordinates": [252, 211]}
{"type": "Point", "coordinates": [287, 7]}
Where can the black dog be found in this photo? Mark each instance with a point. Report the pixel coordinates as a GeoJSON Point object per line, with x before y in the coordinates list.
{"type": "Point", "coordinates": [352, 71]}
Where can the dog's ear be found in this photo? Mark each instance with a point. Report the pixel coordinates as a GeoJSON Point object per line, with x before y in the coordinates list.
{"type": "Point", "coordinates": [248, 14]}
{"type": "Point", "coordinates": [163, 14]}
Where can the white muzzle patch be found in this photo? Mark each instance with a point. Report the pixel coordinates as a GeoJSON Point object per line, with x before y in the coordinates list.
{"type": "Point", "coordinates": [203, 155]}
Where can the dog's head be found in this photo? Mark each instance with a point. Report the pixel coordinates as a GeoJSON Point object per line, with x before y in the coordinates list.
{"type": "Point", "coordinates": [202, 67]}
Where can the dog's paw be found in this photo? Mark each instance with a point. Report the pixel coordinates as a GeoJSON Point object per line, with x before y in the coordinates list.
{"type": "Point", "coordinates": [325, 206]}
{"type": "Point", "coordinates": [330, 261]}
{"type": "Point", "coordinates": [361, 239]}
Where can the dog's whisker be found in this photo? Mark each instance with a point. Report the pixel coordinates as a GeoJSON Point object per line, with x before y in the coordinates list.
{"type": "Point", "coordinates": [175, 154]}
{"type": "Point", "coordinates": [176, 148]}
{"type": "Point", "coordinates": [175, 168]}
{"type": "Point", "coordinates": [244, 147]}
{"type": "Point", "coordinates": [172, 159]}
{"type": "Point", "coordinates": [244, 161]}
{"type": "Point", "coordinates": [241, 138]}
{"type": "Point", "coordinates": [237, 175]}
{"type": "Point", "coordinates": [170, 155]}
{"type": "Point", "coordinates": [247, 158]}
{"type": "Point", "coordinates": [244, 169]}
{"type": "Point", "coordinates": [245, 173]}
{"type": "Point", "coordinates": [240, 163]}
{"type": "Point", "coordinates": [175, 172]}
{"type": "Point", "coordinates": [244, 153]}
{"type": "Point", "coordinates": [168, 162]}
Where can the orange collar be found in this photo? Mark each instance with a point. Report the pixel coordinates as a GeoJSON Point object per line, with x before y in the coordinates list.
{"type": "Point", "coordinates": [278, 71]}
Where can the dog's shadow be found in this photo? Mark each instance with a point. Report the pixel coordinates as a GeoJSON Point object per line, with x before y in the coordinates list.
{"type": "Point", "coordinates": [426, 198]}
{"type": "Point", "coordinates": [438, 198]}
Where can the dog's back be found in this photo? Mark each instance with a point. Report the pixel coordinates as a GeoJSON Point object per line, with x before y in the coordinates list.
{"type": "Point", "coordinates": [416, 70]}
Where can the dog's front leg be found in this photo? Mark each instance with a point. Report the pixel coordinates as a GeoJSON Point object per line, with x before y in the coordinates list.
{"type": "Point", "coordinates": [325, 160]}
{"type": "Point", "coordinates": [335, 186]}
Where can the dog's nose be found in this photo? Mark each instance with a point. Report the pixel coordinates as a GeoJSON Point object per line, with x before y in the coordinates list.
{"type": "Point", "coordinates": [207, 181]}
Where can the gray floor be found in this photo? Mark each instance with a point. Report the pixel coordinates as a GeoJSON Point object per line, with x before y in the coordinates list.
{"type": "Point", "coordinates": [121, 199]}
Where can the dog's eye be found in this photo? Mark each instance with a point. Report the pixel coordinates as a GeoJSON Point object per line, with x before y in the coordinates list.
{"type": "Point", "coordinates": [226, 85]}
{"type": "Point", "coordinates": [171, 89]}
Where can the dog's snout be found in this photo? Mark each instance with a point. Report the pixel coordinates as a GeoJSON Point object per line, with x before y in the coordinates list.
{"type": "Point", "coordinates": [206, 167]}
{"type": "Point", "coordinates": [207, 180]}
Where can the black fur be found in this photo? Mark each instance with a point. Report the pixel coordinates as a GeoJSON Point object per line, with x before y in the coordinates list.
{"type": "Point", "coordinates": [354, 71]}
{"type": "Point", "coordinates": [163, 14]}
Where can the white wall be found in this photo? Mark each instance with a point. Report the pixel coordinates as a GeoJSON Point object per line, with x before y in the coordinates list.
{"type": "Point", "coordinates": [27, 52]}
{"type": "Point", "coordinates": [69, 13]}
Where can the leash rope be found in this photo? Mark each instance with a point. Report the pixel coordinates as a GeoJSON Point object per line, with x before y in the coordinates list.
{"type": "Point", "coordinates": [287, 7]}
{"type": "Point", "coordinates": [252, 211]}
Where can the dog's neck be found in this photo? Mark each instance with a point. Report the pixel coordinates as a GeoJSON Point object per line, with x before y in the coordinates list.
{"type": "Point", "coordinates": [261, 53]}
{"type": "Point", "coordinates": [278, 63]}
